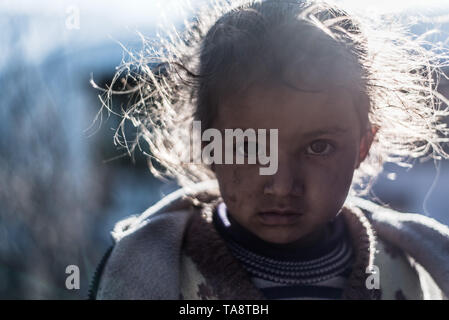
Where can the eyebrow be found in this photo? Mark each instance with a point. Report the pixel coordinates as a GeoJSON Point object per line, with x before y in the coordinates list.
{"type": "Point", "coordinates": [324, 131]}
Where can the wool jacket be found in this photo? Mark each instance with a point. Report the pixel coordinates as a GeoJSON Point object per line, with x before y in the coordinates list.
{"type": "Point", "coordinates": [172, 251]}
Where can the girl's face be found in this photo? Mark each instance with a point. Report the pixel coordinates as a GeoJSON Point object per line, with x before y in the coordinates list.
{"type": "Point", "coordinates": [319, 147]}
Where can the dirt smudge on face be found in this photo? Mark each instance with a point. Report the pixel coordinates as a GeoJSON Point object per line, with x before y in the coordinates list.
{"type": "Point", "coordinates": [236, 177]}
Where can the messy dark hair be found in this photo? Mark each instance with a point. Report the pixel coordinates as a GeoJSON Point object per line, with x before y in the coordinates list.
{"type": "Point", "coordinates": [231, 44]}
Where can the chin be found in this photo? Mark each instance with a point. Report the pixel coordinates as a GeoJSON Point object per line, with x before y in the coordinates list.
{"type": "Point", "coordinates": [280, 241]}
{"type": "Point", "coordinates": [282, 238]}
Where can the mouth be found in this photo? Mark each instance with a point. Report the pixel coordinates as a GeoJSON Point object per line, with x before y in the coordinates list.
{"type": "Point", "coordinates": [275, 217]}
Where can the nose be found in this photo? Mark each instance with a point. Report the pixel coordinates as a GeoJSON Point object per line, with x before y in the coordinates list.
{"type": "Point", "coordinates": [286, 181]}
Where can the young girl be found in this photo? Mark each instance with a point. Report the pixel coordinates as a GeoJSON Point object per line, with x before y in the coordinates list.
{"type": "Point", "coordinates": [342, 97]}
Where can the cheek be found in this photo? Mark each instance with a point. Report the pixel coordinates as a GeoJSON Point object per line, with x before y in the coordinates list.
{"type": "Point", "coordinates": [238, 184]}
{"type": "Point", "coordinates": [331, 178]}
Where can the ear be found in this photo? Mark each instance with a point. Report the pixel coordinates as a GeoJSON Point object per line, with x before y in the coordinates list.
{"type": "Point", "coordinates": [365, 143]}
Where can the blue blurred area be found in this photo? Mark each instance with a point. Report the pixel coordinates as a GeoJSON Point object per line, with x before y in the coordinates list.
{"type": "Point", "coordinates": [60, 193]}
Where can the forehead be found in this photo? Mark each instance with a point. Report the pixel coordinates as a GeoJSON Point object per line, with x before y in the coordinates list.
{"type": "Point", "coordinates": [292, 111]}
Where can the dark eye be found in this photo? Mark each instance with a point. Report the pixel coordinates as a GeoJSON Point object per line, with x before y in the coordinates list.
{"type": "Point", "coordinates": [320, 148]}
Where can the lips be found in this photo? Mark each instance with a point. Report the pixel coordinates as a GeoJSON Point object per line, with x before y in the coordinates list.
{"type": "Point", "coordinates": [279, 217]}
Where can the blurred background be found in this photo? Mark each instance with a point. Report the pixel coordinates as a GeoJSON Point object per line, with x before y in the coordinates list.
{"type": "Point", "coordinates": [63, 183]}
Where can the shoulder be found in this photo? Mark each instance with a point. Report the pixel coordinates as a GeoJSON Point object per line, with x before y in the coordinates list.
{"type": "Point", "coordinates": [147, 250]}
{"type": "Point", "coordinates": [148, 256]}
{"type": "Point", "coordinates": [412, 252]}
{"type": "Point", "coordinates": [398, 277]}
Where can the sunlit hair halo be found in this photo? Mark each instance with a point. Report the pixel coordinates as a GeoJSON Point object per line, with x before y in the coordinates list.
{"type": "Point", "coordinates": [230, 44]}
